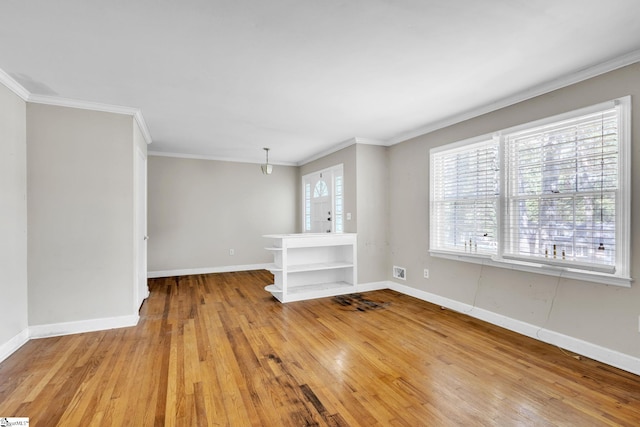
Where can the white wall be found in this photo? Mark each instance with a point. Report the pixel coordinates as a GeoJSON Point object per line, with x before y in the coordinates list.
{"type": "Point", "coordinates": [80, 216]}
{"type": "Point", "coordinates": [13, 221]}
{"type": "Point", "coordinates": [199, 209]}
{"type": "Point", "coordinates": [606, 316]}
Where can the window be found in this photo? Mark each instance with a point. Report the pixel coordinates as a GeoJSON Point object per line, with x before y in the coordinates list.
{"type": "Point", "coordinates": [339, 208]}
{"type": "Point", "coordinates": [464, 200]}
{"type": "Point", "coordinates": [551, 196]}
{"type": "Point", "coordinates": [321, 189]}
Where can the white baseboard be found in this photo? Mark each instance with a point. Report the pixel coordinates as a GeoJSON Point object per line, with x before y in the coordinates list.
{"type": "Point", "coordinates": [372, 286]}
{"type": "Point", "coordinates": [8, 348]}
{"type": "Point", "coordinates": [91, 325]}
{"type": "Point", "coordinates": [593, 351]}
{"type": "Point", "coordinates": [587, 349]}
{"type": "Point", "coordinates": [207, 270]}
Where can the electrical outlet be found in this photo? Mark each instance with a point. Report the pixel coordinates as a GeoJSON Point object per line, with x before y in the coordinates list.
{"type": "Point", "coordinates": [232, 251]}
{"type": "Point", "coordinates": [426, 273]}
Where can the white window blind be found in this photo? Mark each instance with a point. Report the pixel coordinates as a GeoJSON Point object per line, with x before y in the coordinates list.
{"type": "Point", "coordinates": [464, 198]}
{"type": "Point", "coordinates": [561, 192]}
{"type": "Point", "coordinates": [551, 196]}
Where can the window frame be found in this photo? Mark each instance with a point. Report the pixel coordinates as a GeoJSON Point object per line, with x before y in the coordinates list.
{"type": "Point", "coordinates": [621, 275]}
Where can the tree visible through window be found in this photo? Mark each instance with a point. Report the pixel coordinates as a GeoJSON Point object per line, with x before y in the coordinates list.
{"type": "Point", "coordinates": [555, 192]}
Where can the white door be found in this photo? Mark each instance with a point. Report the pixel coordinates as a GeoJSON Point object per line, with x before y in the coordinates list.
{"type": "Point", "coordinates": [321, 209]}
{"type": "Point", "coordinates": [141, 288]}
{"type": "Point", "coordinates": [322, 192]}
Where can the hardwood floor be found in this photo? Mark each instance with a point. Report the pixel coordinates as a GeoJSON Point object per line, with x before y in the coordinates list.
{"type": "Point", "coordinates": [219, 350]}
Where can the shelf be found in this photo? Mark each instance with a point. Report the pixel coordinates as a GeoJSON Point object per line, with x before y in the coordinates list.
{"type": "Point", "coordinates": [318, 266]}
{"type": "Point", "coordinates": [301, 293]}
{"type": "Point", "coordinates": [273, 267]}
{"type": "Point", "coordinates": [310, 266]}
{"type": "Point", "coordinates": [272, 288]}
{"type": "Point", "coordinates": [319, 287]}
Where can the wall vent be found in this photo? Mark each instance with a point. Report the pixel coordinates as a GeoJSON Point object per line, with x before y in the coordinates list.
{"type": "Point", "coordinates": [399, 273]}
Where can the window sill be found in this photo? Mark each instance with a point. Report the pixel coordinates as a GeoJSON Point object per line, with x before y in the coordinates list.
{"type": "Point", "coordinates": [549, 270]}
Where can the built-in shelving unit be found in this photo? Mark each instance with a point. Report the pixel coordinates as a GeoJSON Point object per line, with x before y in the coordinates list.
{"type": "Point", "coordinates": [307, 266]}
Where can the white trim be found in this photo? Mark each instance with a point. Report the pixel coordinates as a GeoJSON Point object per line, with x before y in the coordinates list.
{"type": "Point", "coordinates": [372, 286]}
{"type": "Point", "coordinates": [216, 158]}
{"type": "Point", "coordinates": [331, 150]}
{"type": "Point", "coordinates": [81, 326]}
{"type": "Point", "coordinates": [11, 346]}
{"type": "Point", "coordinates": [590, 350]}
{"type": "Point", "coordinates": [546, 269]}
{"type": "Point", "coordinates": [559, 83]}
{"type": "Point", "coordinates": [27, 96]}
{"type": "Point", "coordinates": [13, 85]}
{"type": "Point", "coordinates": [94, 106]}
{"type": "Point", "coordinates": [344, 144]}
{"type": "Point", "coordinates": [207, 270]}
{"type": "Point", "coordinates": [593, 351]}
{"type": "Point", "coordinates": [618, 275]}
{"type": "Point", "coordinates": [139, 118]}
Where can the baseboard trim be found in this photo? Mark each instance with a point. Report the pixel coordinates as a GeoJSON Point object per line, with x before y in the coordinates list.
{"type": "Point", "coordinates": [590, 350]}
{"type": "Point", "coordinates": [584, 348]}
{"type": "Point", "coordinates": [206, 270]}
{"type": "Point", "coordinates": [372, 286]}
{"type": "Point", "coordinates": [11, 346]}
{"type": "Point", "coordinates": [81, 326]}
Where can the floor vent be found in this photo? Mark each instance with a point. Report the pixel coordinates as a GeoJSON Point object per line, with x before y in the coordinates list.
{"type": "Point", "coordinates": [399, 273]}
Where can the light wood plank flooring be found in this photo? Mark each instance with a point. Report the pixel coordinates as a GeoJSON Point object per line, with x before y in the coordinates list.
{"type": "Point", "coordinates": [219, 350]}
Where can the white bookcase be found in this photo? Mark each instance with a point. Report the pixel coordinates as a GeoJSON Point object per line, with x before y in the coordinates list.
{"type": "Point", "coordinates": [310, 265]}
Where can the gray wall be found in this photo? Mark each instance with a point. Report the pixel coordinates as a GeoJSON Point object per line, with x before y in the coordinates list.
{"type": "Point", "coordinates": [373, 208]}
{"type": "Point", "coordinates": [366, 180]}
{"type": "Point", "coordinates": [599, 314]}
{"type": "Point", "coordinates": [346, 157]}
{"type": "Point", "coordinates": [80, 214]}
{"type": "Point", "coordinates": [13, 216]}
{"type": "Point", "coordinates": [199, 209]}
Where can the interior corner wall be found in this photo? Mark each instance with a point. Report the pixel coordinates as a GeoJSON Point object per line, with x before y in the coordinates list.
{"type": "Point", "coordinates": [373, 208]}
{"type": "Point", "coordinates": [346, 157]}
{"type": "Point", "coordinates": [606, 316]}
{"type": "Point", "coordinates": [13, 218]}
{"type": "Point", "coordinates": [80, 216]}
{"type": "Point", "coordinates": [366, 197]}
{"type": "Point", "coordinates": [200, 209]}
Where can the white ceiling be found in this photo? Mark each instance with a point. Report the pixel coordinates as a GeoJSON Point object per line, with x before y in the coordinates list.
{"type": "Point", "coordinates": [225, 78]}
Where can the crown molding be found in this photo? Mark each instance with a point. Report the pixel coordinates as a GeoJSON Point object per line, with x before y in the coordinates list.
{"type": "Point", "coordinates": [139, 118]}
{"type": "Point", "coordinates": [94, 106]}
{"type": "Point", "coordinates": [559, 83]}
{"type": "Point", "coordinates": [13, 85]}
{"type": "Point", "coordinates": [344, 144]}
{"type": "Point", "coordinates": [27, 96]}
{"type": "Point", "coordinates": [215, 158]}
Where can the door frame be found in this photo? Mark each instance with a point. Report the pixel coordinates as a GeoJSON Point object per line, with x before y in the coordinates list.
{"type": "Point", "coordinates": [140, 288]}
{"type": "Point", "coordinates": [329, 175]}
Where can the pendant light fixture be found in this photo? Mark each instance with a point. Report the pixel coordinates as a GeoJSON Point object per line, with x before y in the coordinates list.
{"type": "Point", "coordinates": [266, 168]}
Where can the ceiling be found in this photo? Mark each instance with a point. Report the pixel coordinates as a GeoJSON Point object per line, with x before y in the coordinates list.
{"type": "Point", "coordinates": [225, 78]}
